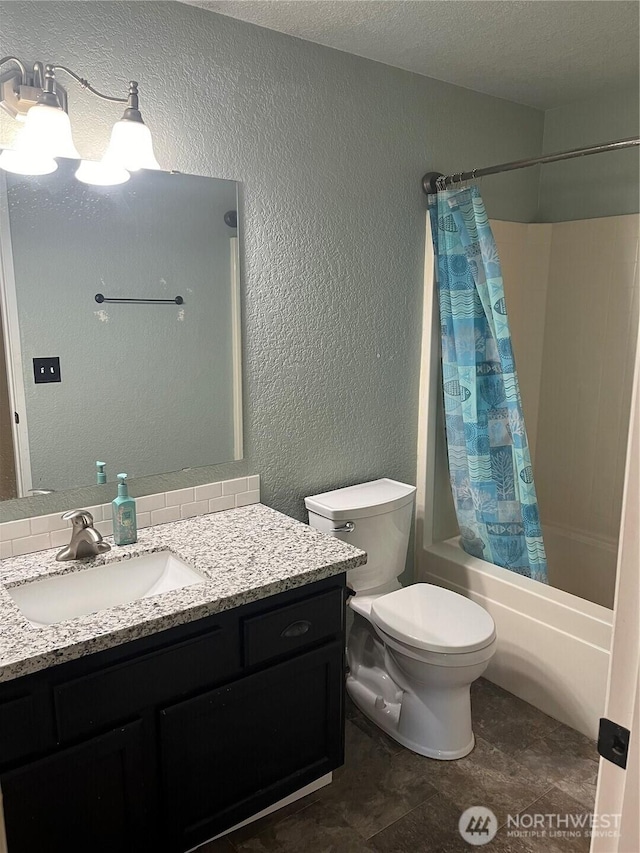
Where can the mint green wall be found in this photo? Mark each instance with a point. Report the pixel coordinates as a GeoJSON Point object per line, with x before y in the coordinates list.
{"type": "Point", "coordinates": [599, 185]}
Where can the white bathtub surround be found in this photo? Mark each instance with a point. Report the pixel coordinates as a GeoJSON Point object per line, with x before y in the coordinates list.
{"type": "Point", "coordinates": [525, 251]}
{"type": "Point", "coordinates": [576, 387]}
{"type": "Point", "coordinates": [243, 554]}
{"type": "Point", "coordinates": [49, 531]}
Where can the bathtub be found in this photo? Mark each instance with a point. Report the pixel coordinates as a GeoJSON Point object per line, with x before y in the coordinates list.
{"type": "Point", "coordinates": [553, 647]}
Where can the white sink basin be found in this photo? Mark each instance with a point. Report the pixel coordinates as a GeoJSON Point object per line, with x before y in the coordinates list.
{"type": "Point", "coordinates": [55, 599]}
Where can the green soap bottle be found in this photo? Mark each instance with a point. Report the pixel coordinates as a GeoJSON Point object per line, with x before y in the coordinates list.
{"type": "Point", "coordinates": [125, 530]}
{"type": "Point", "coordinates": [101, 475]}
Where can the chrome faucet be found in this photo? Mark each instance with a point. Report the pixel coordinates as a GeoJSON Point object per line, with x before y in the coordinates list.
{"type": "Point", "coordinates": [86, 541]}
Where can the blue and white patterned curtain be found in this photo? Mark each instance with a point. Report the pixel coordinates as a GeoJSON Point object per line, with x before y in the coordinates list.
{"type": "Point", "coordinates": [489, 460]}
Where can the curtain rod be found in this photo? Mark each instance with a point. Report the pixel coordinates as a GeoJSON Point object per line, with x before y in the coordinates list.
{"type": "Point", "coordinates": [434, 180]}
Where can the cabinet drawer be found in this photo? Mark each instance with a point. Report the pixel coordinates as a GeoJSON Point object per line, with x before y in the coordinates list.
{"type": "Point", "coordinates": [94, 701]}
{"type": "Point", "coordinates": [288, 629]}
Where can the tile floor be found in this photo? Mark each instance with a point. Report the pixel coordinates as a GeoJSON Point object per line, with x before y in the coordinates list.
{"type": "Point", "coordinates": [388, 800]}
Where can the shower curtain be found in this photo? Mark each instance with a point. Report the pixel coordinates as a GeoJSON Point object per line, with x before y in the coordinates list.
{"type": "Point", "coordinates": [489, 461]}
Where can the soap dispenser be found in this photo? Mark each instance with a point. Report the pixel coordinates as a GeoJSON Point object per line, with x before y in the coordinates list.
{"type": "Point", "coordinates": [101, 474]}
{"type": "Point", "coordinates": [124, 515]}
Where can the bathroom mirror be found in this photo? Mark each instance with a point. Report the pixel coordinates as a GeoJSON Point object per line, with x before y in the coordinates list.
{"type": "Point", "coordinates": [147, 386]}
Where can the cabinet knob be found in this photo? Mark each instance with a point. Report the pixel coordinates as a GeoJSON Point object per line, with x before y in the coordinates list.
{"type": "Point", "coordinates": [296, 629]}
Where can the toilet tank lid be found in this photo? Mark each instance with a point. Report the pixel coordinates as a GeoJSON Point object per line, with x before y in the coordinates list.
{"type": "Point", "coordinates": [362, 500]}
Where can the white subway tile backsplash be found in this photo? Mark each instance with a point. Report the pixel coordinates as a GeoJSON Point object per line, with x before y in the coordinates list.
{"type": "Point", "coordinates": [219, 504]}
{"type": "Point", "coordinates": [104, 527]}
{"type": "Point", "coordinates": [60, 538]}
{"type": "Point", "coordinates": [211, 490]}
{"type": "Point", "coordinates": [246, 498]}
{"type": "Point", "coordinates": [180, 496]}
{"type": "Point", "coordinates": [50, 531]}
{"type": "Point", "coordinates": [15, 529]}
{"type": "Point", "coordinates": [44, 524]}
{"type": "Point", "coordinates": [96, 512]}
{"type": "Point", "coordinates": [147, 503]}
{"type": "Point", "coordinates": [195, 508]}
{"type": "Point", "coordinates": [31, 543]}
{"type": "Point", "coordinates": [162, 516]}
{"type": "Point", "coordinates": [232, 487]}
{"type": "Point", "coordinates": [56, 522]}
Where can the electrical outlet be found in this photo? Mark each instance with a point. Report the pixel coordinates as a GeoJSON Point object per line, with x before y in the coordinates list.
{"type": "Point", "coordinates": [46, 369]}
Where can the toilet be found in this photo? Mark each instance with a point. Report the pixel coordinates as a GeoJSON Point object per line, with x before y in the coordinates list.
{"type": "Point", "coordinates": [414, 651]}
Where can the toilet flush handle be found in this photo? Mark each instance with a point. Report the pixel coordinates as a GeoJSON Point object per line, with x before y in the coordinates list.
{"type": "Point", "coordinates": [348, 527]}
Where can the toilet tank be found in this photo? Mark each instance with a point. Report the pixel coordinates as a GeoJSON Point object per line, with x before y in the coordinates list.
{"type": "Point", "coordinates": [375, 517]}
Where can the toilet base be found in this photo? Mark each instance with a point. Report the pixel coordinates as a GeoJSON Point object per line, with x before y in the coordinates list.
{"type": "Point", "coordinates": [386, 715]}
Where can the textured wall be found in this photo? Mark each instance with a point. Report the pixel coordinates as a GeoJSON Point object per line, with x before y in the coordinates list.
{"type": "Point", "coordinates": [599, 185]}
{"type": "Point", "coordinates": [330, 149]}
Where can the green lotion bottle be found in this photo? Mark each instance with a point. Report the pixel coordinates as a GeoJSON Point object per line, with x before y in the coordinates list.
{"type": "Point", "coordinates": [124, 515]}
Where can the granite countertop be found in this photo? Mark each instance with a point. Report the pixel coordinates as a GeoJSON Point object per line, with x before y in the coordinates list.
{"type": "Point", "coordinates": [244, 554]}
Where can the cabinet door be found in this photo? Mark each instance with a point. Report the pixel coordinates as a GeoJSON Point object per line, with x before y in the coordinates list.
{"type": "Point", "coordinates": [229, 753]}
{"type": "Point", "coordinates": [89, 797]}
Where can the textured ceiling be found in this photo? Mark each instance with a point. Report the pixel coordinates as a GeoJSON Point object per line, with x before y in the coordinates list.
{"type": "Point", "coordinates": [543, 53]}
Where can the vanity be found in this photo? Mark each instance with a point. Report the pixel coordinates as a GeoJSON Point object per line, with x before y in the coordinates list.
{"type": "Point", "coordinates": [156, 695]}
{"type": "Point", "coordinates": [159, 723]}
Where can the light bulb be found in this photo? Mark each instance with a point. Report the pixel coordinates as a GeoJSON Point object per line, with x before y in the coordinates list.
{"type": "Point", "coordinates": [47, 131]}
{"type": "Point", "coordinates": [102, 174]}
{"type": "Point", "coordinates": [131, 146]}
{"type": "Point", "coordinates": [24, 163]}
{"type": "Point", "coordinates": [46, 134]}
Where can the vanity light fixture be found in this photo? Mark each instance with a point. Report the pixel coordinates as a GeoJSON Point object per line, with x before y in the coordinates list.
{"type": "Point", "coordinates": [36, 100]}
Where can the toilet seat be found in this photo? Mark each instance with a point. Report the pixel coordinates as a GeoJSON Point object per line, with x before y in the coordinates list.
{"type": "Point", "coordinates": [432, 619]}
{"type": "Point", "coordinates": [445, 659]}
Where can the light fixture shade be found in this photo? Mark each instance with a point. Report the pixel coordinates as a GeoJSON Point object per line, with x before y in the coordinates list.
{"type": "Point", "coordinates": [47, 132]}
{"type": "Point", "coordinates": [24, 163]}
{"type": "Point", "coordinates": [101, 174]}
{"type": "Point", "coordinates": [131, 146]}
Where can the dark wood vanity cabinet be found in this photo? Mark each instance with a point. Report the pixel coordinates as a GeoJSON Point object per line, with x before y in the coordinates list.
{"type": "Point", "coordinates": [164, 742]}
{"type": "Point", "coordinates": [88, 797]}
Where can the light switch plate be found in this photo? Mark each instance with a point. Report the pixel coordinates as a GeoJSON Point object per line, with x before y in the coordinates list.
{"type": "Point", "coordinates": [46, 369]}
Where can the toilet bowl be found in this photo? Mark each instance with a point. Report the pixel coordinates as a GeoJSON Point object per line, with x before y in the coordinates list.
{"type": "Point", "coordinates": [414, 651]}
